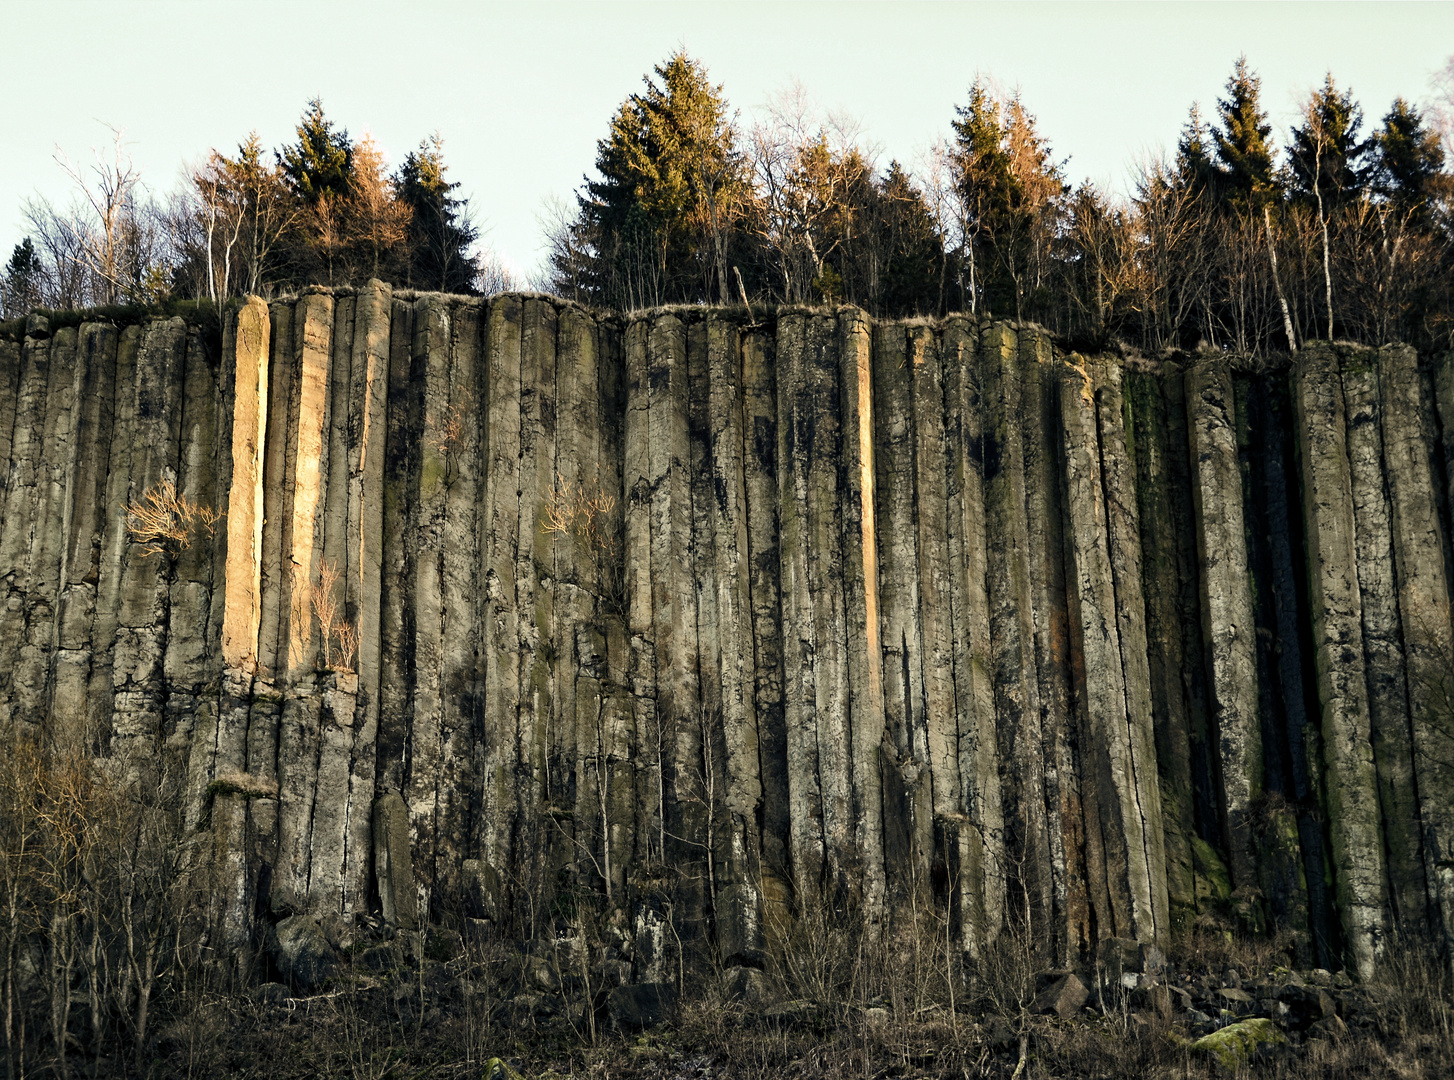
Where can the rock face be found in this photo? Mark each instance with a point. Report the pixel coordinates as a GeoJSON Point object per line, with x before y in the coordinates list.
{"type": "Point", "coordinates": [730, 622]}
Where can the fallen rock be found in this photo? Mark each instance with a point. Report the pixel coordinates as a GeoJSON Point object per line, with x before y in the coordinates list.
{"type": "Point", "coordinates": [1116, 957]}
{"type": "Point", "coordinates": [642, 1005]}
{"type": "Point", "coordinates": [376, 958]}
{"type": "Point", "coordinates": [302, 952]}
{"type": "Point", "coordinates": [1064, 997]}
{"type": "Point", "coordinates": [747, 985]}
{"type": "Point", "coordinates": [1234, 1046]}
{"type": "Point", "coordinates": [1306, 1005]}
{"type": "Point", "coordinates": [1153, 998]}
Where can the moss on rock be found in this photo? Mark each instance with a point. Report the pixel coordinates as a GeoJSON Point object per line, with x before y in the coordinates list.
{"type": "Point", "coordinates": [1233, 1046]}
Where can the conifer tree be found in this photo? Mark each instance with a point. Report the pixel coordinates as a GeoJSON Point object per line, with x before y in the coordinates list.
{"type": "Point", "coordinates": [1248, 174]}
{"type": "Point", "coordinates": [1010, 196]}
{"type": "Point", "coordinates": [657, 220]}
{"type": "Point", "coordinates": [440, 232]}
{"type": "Point", "coordinates": [1195, 169]}
{"type": "Point", "coordinates": [1408, 160]}
{"type": "Point", "coordinates": [1324, 155]}
{"type": "Point", "coordinates": [908, 246]}
{"type": "Point", "coordinates": [319, 172]}
{"type": "Point", "coordinates": [985, 186]}
{"type": "Point", "coordinates": [321, 163]}
{"type": "Point", "coordinates": [1323, 161]}
{"type": "Point", "coordinates": [1243, 139]}
{"type": "Point", "coordinates": [24, 275]}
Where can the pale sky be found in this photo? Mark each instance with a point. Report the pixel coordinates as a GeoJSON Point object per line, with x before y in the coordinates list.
{"type": "Point", "coordinates": [521, 91]}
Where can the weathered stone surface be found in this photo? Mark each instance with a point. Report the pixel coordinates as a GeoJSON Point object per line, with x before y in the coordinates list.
{"type": "Point", "coordinates": [981, 837]}
{"type": "Point", "coordinates": [1026, 862]}
{"type": "Point", "coordinates": [863, 615]}
{"type": "Point", "coordinates": [1065, 997]}
{"type": "Point", "coordinates": [1424, 610]}
{"type": "Point", "coordinates": [1077, 878]}
{"type": "Point", "coordinates": [1108, 624]}
{"type": "Point", "coordinates": [1155, 436]}
{"type": "Point", "coordinates": [1227, 624]}
{"type": "Point", "coordinates": [243, 594]}
{"type": "Point", "coordinates": [302, 952]}
{"type": "Point", "coordinates": [1383, 636]}
{"type": "Point", "coordinates": [861, 601]}
{"type": "Point", "coordinates": [907, 769]}
{"type": "Point", "coordinates": [393, 861]}
{"type": "Point", "coordinates": [1234, 1046]}
{"type": "Point", "coordinates": [1352, 796]}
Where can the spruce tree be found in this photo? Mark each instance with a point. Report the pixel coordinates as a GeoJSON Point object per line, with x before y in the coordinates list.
{"type": "Point", "coordinates": [440, 232]}
{"type": "Point", "coordinates": [1323, 161]}
{"type": "Point", "coordinates": [1195, 169]}
{"type": "Point", "coordinates": [657, 220]}
{"type": "Point", "coordinates": [321, 163]}
{"type": "Point", "coordinates": [1248, 176]}
{"type": "Point", "coordinates": [910, 246]}
{"type": "Point", "coordinates": [1243, 139]}
{"type": "Point", "coordinates": [24, 274]}
{"type": "Point", "coordinates": [1408, 160]}
{"type": "Point", "coordinates": [1324, 155]}
{"type": "Point", "coordinates": [1010, 193]}
{"type": "Point", "coordinates": [987, 193]}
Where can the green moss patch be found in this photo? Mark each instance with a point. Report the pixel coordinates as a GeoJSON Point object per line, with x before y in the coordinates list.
{"type": "Point", "coordinates": [1234, 1046]}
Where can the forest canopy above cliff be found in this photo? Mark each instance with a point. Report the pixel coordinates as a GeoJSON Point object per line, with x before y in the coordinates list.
{"type": "Point", "coordinates": [1244, 239]}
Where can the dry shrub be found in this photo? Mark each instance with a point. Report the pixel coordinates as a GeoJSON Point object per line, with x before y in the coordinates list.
{"type": "Point", "coordinates": [336, 633]}
{"type": "Point", "coordinates": [99, 916]}
{"type": "Point", "coordinates": [579, 510]}
{"type": "Point", "coordinates": [164, 522]}
{"type": "Point", "coordinates": [334, 629]}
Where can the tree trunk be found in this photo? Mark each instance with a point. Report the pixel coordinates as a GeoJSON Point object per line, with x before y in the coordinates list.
{"type": "Point", "coordinates": [1277, 281]}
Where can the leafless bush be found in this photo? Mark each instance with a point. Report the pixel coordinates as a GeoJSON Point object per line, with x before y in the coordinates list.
{"type": "Point", "coordinates": [97, 903]}
{"type": "Point", "coordinates": [165, 522]}
{"type": "Point", "coordinates": [338, 635]}
{"type": "Point", "coordinates": [580, 510]}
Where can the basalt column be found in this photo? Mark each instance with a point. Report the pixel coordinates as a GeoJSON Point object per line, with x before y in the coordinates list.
{"type": "Point", "coordinates": [1108, 632]}
{"type": "Point", "coordinates": [1226, 603]}
{"type": "Point", "coordinates": [709, 624]}
{"type": "Point", "coordinates": [907, 769]}
{"type": "Point", "coordinates": [982, 836]}
{"type": "Point", "coordinates": [1029, 881]}
{"type": "Point", "coordinates": [1424, 608]}
{"type": "Point", "coordinates": [1352, 798]}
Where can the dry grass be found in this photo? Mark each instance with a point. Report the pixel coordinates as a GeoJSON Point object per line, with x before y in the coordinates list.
{"type": "Point", "coordinates": [249, 785]}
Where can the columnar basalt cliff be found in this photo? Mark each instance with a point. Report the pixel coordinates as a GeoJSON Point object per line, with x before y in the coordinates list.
{"type": "Point", "coordinates": [726, 619]}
